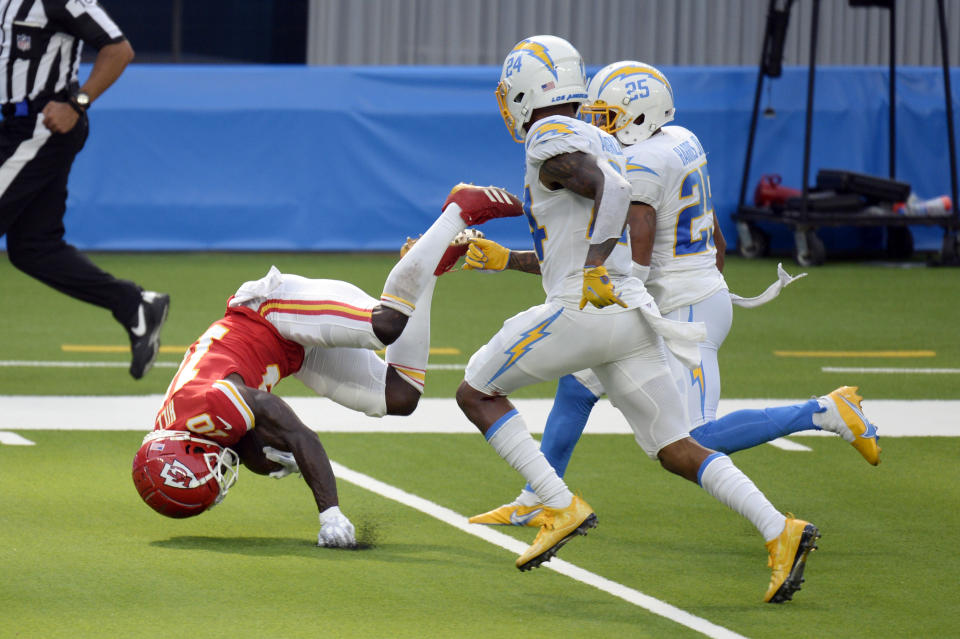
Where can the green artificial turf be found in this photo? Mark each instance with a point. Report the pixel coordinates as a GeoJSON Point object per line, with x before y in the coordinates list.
{"type": "Point", "coordinates": [845, 307]}
{"type": "Point", "coordinates": [83, 557]}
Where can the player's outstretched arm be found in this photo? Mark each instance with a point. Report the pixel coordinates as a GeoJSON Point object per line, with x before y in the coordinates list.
{"type": "Point", "coordinates": [277, 426]}
{"type": "Point", "coordinates": [487, 255]}
{"type": "Point", "coordinates": [525, 261]}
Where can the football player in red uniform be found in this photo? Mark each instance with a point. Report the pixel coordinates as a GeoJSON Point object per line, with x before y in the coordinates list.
{"type": "Point", "coordinates": [219, 411]}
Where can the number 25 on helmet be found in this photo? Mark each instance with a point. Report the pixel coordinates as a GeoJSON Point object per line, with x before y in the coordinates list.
{"type": "Point", "coordinates": [630, 100]}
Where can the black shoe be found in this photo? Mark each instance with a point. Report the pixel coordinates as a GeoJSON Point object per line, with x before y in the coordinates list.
{"type": "Point", "coordinates": [145, 334]}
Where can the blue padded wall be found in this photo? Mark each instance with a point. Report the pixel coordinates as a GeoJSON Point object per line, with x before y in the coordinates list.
{"type": "Point", "coordinates": [358, 158]}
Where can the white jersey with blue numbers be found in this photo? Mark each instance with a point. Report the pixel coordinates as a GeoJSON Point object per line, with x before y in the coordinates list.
{"type": "Point", "coordinates": [561, 221]}
{"type": "Point", "coordinates": [668, 171]}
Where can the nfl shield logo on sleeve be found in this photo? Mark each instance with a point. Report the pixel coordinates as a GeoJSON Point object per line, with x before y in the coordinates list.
{"type": "Point", "coordinates": [23, 42]}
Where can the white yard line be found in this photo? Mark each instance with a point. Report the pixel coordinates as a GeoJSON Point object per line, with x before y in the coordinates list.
{"type": "Point", "coordinates": [12, 439]}
{"type": "Point", "coordinates": [21, 363]}
{"type": "Point", "coordinates": [565, 568]}
{"type": "Point", "coordinates": [893, 418]}
{"type": "Point", "coordinates": [785, 444]}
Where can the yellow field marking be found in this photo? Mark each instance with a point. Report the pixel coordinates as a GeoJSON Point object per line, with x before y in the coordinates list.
{"type": "Point", "coordinates": [855, 353]}
{"type": "Point", "coordinates": [114, 348]}
{"type": "Point", "coordinates": [439, 350]}
{"type": "Point", "coordinates": [444, 350]}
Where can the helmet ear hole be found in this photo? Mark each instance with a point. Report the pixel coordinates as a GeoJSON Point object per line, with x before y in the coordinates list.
{"type": "Point", "coordinates": [519, 98]}
{"type": "Point", "coordinates": [639, 120]}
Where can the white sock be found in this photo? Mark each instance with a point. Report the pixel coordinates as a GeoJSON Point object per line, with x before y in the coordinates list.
{"type": "Point", "coordinates": [408, 355]}
{"type": "Point", "coordinates": [731, 487]}
{"type": "Point", "coordinates": [412, 274]}
{"type": "Point", "coordinates": [513, 442]}
{"type": "Point", "coordinates": [527, 498]}
{"type": "Point", "coordinates": [830, 420]}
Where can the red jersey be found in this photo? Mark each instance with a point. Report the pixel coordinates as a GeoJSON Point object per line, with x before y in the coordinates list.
{"type": "Point", "coordinates": [201, 401]}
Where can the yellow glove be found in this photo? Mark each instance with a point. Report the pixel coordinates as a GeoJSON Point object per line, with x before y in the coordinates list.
{"type": "Point", "coordinates": [598, 289]}
{"type": "Point", "coordinates": [486, 255]}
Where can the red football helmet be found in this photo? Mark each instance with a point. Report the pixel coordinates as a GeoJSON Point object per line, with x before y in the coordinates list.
{"type": "Point", "coordinates": [179, 475]}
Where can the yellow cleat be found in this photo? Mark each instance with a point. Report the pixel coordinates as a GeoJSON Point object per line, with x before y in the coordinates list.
{"type": "Point", "coordinates": [560, 526]}
{"type": "Point", "coordinates": [788, 557]}
{"type": "Point", "coordinates": [512, 515]}
{"type": "Point", "coordinates": [864, 433]}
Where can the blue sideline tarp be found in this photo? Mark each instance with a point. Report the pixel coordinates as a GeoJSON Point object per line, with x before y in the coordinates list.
{"type": "Point", "coordinates": [358, 158]}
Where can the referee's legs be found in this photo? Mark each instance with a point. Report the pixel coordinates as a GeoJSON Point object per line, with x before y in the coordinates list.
{"type": "Point", "coordinates": [35, 245]}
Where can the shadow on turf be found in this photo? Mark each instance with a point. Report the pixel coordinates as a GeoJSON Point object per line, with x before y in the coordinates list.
{"type": "Point", "coordinates": [367, 539]}
{"type": "Point", "coordinates": [262, 546]}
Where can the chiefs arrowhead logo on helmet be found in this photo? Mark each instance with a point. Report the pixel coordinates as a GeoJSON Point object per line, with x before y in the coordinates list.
{"type": "Point", "coordinates": [179, 475]}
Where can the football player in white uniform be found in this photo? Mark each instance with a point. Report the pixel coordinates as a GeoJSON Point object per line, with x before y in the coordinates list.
{"type": "Point", "coordinates": [675, 238]}
{"type": "Point", "coordinates": [678, 251]}
{"type": "Point", "coordinates": [684, 229]}
{"type": "Point", "coordinates": [576, 202]}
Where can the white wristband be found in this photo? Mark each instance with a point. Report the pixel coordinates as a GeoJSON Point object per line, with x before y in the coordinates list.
{"type": "Point", "coordinates": [640, 272]}
{"type": "Point", "coordinates": [332, 511]}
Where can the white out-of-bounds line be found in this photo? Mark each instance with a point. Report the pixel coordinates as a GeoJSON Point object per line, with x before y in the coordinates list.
{"type": "Point", "coordinates": [12, 439]}
{"type": "Point", "coordinates": [458, 521]}
{"type": "Point", "coordinates": [890, 370]}
{"type": "Point", "coordinates": [785, 444]}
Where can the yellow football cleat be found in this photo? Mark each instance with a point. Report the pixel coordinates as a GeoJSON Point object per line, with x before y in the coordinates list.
{"type": "Point", "coordinates": [788, 557]}
{"type": "Point", "coordinates": [864, 433]}
{"type": "Point", "coordinates": [512, 515]}
{"type": "Point", "coordinates": [560, 526]}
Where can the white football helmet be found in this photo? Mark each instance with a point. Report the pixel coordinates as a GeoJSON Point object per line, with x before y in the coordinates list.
{"type": "Point", "coordinates": [539, 71]}
{"type": "Point", "coordinates": [630, 100]}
